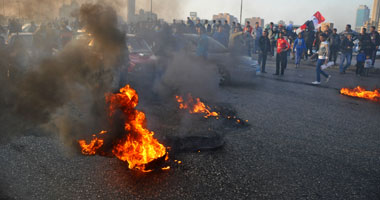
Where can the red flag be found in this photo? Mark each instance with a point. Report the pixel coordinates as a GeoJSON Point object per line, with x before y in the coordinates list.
{"type": "Point", "coordinates": [318, 16]}
{"type": "Point", "coordinates": [316, 19]}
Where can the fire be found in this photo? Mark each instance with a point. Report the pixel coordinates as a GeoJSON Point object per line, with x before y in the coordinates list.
{"type": "Point", "coordinates": [91, 43]}
{"type": "Point", "coordinates": [361, 93]}
{"type": "Point", "coordinates": [195, 106]}
{"type": "Point", "coordinates": [138, 147]}
{"type": "Point", "coordinates": [93, 146]}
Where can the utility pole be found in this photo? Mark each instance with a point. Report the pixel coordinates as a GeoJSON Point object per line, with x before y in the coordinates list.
{"type": "Point", "coordinates": [151, 10]}
{"type": "Point", "coordinates": [3, 8]}
{"type": "Point", "coordinates": [241, 11]}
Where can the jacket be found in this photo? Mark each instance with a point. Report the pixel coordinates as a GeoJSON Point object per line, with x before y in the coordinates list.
{"type": "Point", "coordinates": [361, 57]}
{"type": "Point", "coordinates": [334, 40]}
{"type": "Point", "coordinates": [364, 41]}
{"type": "Point", "coordinates": [346, 46]}
{"type": "Point", "coordinates": [264, 44]}
{"type": "Point", "coordinates": [299, 45]}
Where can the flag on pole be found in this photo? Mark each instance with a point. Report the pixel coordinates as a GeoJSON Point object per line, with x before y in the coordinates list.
{"type": "Point", "coordinates": [314, 23]}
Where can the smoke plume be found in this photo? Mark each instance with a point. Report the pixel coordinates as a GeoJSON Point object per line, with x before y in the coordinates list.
{"type": "Point", "coordinates": [66, 92]}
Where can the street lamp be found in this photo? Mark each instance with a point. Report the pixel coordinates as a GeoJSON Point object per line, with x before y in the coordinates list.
{"type": "Point", "coordinates": [151, 10]}
{"type": "Point", "coordinates": [241, 10]}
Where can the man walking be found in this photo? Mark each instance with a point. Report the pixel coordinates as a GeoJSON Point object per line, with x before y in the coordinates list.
{"type": "Point", "coordinates": [346, 48]}
{"type": "Point", "coordinates": [265, 47]}
{"type": "Point", "coordinates": [282, 54]}
{"type": "Point", "coordinates": [323, 54]}
{"type": "Point", "coordinates": [375, 43]}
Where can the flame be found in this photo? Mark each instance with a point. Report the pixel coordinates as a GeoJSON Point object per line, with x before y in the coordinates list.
{"type": "Point", "coordinates": [93, 146]}
{"type": "Point", "coordinates": [195, 106]}
{"type": "Point", "coordinates": [91, 43]}
{"type": "Point", "coordinates": [139, 147]}
{"type": "Point", "coordinates": [360, 92]}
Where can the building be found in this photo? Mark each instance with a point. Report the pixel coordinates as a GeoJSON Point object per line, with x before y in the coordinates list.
{"type": "Point", "coordinates": [362, 16]}
{"type": "Point", "coordinates": [375, 13]}
{"type": "Point", "coordinates": [253, 21]}
{"type": "Point", "coordinates": [225, 16]}
{"type": "Point", "coordinates": [131, 11]}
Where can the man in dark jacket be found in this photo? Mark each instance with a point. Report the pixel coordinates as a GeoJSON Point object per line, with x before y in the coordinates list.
{"type": "Point", "coordinates": [346, 48]}
{"type": "Point", "coordinates": [365, 42]}
{"type": "Point", "coordinates": [334, 41]}
{"type": "Point", "coordinates": [265, 48]}
{"type": "Point", "coordinates": [375, 43]}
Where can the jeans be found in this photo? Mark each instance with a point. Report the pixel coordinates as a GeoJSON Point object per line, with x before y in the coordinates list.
{"type": "Point", "coordinates": [343, 57]}
{"type": "Point", "coordinates": [281, 59]}
{"type": "Point", "coordinates": [320, 62]}
{"type": "Point", "coordinates": [359, 68]}
{"type": "Point", "coordinates": [298, 56]}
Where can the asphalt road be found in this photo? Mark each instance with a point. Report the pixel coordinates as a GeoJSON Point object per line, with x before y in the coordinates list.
{"type": "Point", "coordinates": [304, 142]}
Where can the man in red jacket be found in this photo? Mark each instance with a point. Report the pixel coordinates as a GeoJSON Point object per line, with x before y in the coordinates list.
{"type": "Point", "coordinates": [282, 54]}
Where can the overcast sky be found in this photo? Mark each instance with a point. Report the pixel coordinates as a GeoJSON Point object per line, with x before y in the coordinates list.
{"type": "Point", "coordinates": [340, 12]}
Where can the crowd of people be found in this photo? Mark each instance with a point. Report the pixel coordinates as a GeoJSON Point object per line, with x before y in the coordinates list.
{"type": "Point", "coordinates": [323, 46]}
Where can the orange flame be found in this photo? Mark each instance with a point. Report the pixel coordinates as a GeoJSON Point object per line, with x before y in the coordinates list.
{"type": "Point", "coordinates": [361, 93]}
{"type": "Point", "coordinates": [139, 147]}
{"type": "Point", "coordinates": [195, 106]}
{"type": "Point", "coordinates": [93, 146]}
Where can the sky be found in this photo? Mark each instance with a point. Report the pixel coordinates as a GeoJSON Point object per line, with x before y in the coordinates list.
{"type": "Point", "coordinates": [340, 12]}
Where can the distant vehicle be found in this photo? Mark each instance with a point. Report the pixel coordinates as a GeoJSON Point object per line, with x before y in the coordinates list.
{"type": "Point", "coordinates": [232, 68]}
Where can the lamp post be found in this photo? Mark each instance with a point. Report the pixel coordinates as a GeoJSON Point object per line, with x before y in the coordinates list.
{"type": "Point", "coordinates": [151, 10]}
{"type": "Point", "coordinates": [241, 10]}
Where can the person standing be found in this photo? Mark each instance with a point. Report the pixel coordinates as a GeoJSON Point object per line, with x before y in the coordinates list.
{"type": "Point", "coordinates": [365, 42]}
{"type": "Point", "coordinates": [346, 49]}
{"type": "Point", "coordinates": [375, 43]}
{"type": "Point", "coordinates": [272, 37]}
{"type": "Point", "coordinates": [323, 58]}
{"type": "Point", "coordinates": [334, 41]}
{"type": "Point", "coordinates": [265, 48]}
{"type": "Point", "coordinates": [299, 47]}
{"type": "Point", "coordinates": [248, 28]}
{"type": "Point", "coordinates": [227, 31]}
{"type": "Point", "coordinates": [282, 54]}
{"type": "Point", "coordinates": [214, 27]}
{"type": "Point", "coordinates": [202, 46]}
{"type": "Point", "coordinates": [257, 35]}
{"type": "Point", "coordinates": [208, 27]}
{"type": "Point", "coordinates": [248, 39]}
